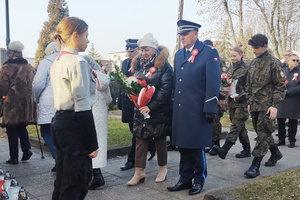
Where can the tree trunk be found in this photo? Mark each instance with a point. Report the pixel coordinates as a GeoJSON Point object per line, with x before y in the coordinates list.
{"type": "Point", "coordinates": [180, 11]}
{"type": "Point", "coordinates": [230, 21]}
{"type": "Point", "coordinates": [241, 21]}
{"type": "Point", "coordinates": [270, 24]}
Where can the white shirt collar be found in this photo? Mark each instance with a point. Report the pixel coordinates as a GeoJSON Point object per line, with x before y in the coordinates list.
{"type": "Point", "coordinates": [190, 49]}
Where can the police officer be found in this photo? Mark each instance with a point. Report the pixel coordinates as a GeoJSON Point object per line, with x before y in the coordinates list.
{"type": "Point", "coordinates": [197, 83]}
{"type": "Point", "coordinates": [125, 104]}
{"type": "Point", "coordinates": [265, 90]}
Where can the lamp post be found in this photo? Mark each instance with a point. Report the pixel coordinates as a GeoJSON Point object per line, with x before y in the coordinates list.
{"type": "Point", "coordinates": [7, 24]}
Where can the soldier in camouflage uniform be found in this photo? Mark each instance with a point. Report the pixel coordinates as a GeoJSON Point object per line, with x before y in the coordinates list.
{"type": "Point", "coordinates": [265, 90]}
{"type": "Point", "coordinates": [237, 104]}
{"type": "Point", "coordinates": [217, 126]}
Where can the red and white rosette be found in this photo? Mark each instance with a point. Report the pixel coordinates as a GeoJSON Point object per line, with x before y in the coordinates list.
{"type": "Point", "coordinates": [194, 53]}
{"type": "Point", "coordinates": [151, 71]}
{"type": "Point", "coordinates": [295, 77]}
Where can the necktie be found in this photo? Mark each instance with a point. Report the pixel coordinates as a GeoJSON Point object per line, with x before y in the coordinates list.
{"type": "Point", "coordinates": [187, 54]}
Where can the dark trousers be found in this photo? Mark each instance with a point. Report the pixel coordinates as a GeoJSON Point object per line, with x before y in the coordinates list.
{"type": "Point", "coordinates": [192, 165]}
{"type": "Point", "coordinates": [131, 155]}
{"type": "Point", "coordinates": [292, 130]}
{"type": "Point", "coordinates": [74, 167]}
{"type": "Point", "coordinates": [13, 134]}
{"type": "Point", "coordinates": [142, 150]}
{"type": "Point", "coordinates": [46, 134]}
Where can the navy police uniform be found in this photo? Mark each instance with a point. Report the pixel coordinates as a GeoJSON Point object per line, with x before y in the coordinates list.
{"type": "Point", "coordinates": [126, 105]}
{"type": "Point", "coordinates": [197, 84]}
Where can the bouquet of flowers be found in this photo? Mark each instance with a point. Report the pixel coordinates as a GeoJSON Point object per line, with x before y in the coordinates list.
{"type": "Point", "coordinates": [228, 85]}
{"type": "Point", "coordinates": [135, 87]}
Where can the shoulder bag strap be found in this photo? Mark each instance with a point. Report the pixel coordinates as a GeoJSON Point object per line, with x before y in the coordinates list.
{"type": "Point", "coordinates": [20, 69]}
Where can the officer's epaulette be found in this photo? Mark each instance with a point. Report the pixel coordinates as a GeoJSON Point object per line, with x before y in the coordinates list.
{"type": "Point", "coordinates": [80, 58]}
{"type": "Point", "coordinates": [211, 46]}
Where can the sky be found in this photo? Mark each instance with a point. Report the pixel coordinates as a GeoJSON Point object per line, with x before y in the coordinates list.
{"type": "Point", "coordinates": [110, 22]}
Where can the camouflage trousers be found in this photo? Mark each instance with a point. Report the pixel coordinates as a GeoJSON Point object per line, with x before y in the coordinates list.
{"type": "Point", "coordinates": [238, 117]}
{"type": "Point", "coordinates": [217, 126]}
{"type": "Point", "coordinates": [264, 127]}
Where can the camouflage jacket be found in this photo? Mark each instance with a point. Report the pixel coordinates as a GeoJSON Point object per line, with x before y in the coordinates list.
{"type": "Point", "coordinates": [265, 83]}
{"type": "Point", "coordinates": [238, 71]}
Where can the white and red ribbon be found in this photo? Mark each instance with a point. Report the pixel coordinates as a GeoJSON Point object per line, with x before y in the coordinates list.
{"type": "Point", "coordinates": [295, 77]}
{"type": "Point", "coordinates": [151, 71]}
{"type": "Point", "coordinates": [194, 53]}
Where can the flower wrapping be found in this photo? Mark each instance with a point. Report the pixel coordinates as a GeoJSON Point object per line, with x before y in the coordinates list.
{"type": "Point", "coordinates": [225, 83]}
{"type": "Point", "coordinates": [136, 87]}
{"type": "Point", "coordinates": [228, 85]}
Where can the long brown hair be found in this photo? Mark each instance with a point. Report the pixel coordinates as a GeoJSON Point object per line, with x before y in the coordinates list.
{"type": "Point", "coordinates": [67, 27]}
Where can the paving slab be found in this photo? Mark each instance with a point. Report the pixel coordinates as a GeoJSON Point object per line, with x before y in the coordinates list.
{"type": "Point", "coordinates": [36, 176]}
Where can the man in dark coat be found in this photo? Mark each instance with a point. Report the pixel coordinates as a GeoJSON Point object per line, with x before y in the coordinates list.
{"type": "Point", "coordinates": [124, 103]}
{"type": "Point", "coordinates": [197, 83]}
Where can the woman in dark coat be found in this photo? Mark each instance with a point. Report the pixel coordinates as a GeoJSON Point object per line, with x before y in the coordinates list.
{"type": "Point", "coordinates": [289, 108]}
{"type": "Point", "coordinates": [152, 64]}
{"type": "Point", "coordinates": [19, 109]}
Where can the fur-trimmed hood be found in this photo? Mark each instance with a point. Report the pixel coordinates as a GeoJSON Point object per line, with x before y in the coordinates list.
{"type": "Point", "coordinates": [160, 60]}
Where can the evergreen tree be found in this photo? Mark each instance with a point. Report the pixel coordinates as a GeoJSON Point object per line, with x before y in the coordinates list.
{"type": "Point", "coordinates": [57, 10]}
{"type": "Point", "coordinates": [94, 54]}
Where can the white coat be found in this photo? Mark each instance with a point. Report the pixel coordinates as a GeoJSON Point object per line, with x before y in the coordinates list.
{"type": "Point", "coordinates": [100, 113]}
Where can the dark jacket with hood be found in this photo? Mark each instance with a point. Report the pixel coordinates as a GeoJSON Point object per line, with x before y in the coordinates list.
{"type": "Point", "coordinates": [19, 106]}
{"type": "Point", "coordinates": [160, 105]}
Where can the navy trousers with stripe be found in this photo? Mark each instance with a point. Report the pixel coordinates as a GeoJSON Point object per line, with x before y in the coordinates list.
{"type": "Point", "coordinates": [192, 165]}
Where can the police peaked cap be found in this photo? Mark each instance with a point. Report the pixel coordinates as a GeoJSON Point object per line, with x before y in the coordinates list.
{"type": "Point", "coordinates": [186, 26]}
{"type": "Point", "coordinates": [131, 44]}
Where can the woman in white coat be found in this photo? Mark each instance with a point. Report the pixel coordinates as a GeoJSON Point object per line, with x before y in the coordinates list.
{"type": "Point", "coordinates": [100, 113]}
{"type": "Point", "coordinates": [43, 94]}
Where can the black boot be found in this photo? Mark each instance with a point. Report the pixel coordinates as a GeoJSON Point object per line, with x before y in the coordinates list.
{"type": "Point", "coordinates": [253, 171]}
{"type": "Point", "coordinates": [275, 156]}
{"type": "Point", "coordinates": [212, 151]}
{"type": "Point", "coordinates": [246, 151]}
{"type": "Point", "coordinates": [98, 179]}
{"type": "Point", "coordinates": [152, 150]}
{"type": "Point", "coordinates": [222, 152]}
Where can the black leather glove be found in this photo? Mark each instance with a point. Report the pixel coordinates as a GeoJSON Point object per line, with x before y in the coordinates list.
{"type": "Point", "coordinates": [211, 117]}
{"type": "Point", "coordinates": [288, 94]}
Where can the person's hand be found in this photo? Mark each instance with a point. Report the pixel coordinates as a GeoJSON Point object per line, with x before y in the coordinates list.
{"type": "Point", "coordinates": [129, 97]}
{"type": "Point", "coordinates": [224, 93]}
{"type": "Point", "coordinates": [211, 117]}
{"type": "Point", "coordinates": [222, 103]}
{"type": "Point", "coordinates": [249, 111]}
{"type": "Point", "coordinates": [272, 112]}
{"type": "Point", "coordinates": [144, 110]}
{"type": "Point", "coordinates": [93, 154]}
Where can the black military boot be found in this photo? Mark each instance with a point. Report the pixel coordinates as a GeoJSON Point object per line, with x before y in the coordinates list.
{"type": "Point", "coordinates": [222, 152]}
{"type": "Point", "coordinates": [98, 179]}
{"type": "Point", "coordinates": [212, 151]}
{"type": "Point", "coordinates": [275, 156]}
{"type": "Point", "coordinates": [253, 171]}
{"type": "Point", "coordinates": [246, 151]}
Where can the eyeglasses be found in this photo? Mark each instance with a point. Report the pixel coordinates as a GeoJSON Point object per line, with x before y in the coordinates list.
{"type": "Point", "coordinates": [287, 54]}
{"type": "Point", "coordinates": [294, 60]}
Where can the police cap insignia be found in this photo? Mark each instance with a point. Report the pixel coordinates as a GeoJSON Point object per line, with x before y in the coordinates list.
{"type": "Point", "coordinates": [131, 44]}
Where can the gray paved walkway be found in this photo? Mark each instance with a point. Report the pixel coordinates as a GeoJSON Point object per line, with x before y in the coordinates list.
{"type": "Point", "coordinates": [37, 179]}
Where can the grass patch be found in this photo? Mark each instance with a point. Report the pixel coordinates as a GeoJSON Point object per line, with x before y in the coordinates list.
{"type": "Point", "coordinates": [282, 186]}
{"type": "Point", "coordinates": [225, 121]}
{"type": "Point", "coordinates": [118, 133]}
